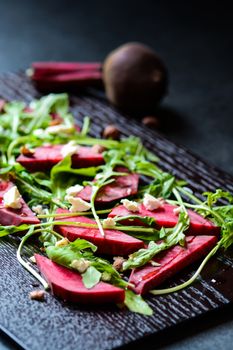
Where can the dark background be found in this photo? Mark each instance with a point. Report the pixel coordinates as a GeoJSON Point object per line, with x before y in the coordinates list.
{"type": "Point", "coordinates": [194, 39]}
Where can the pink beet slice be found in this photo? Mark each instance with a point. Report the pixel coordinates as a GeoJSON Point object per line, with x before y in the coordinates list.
{"type": "Point", "coordinates": [114, 243]}
{"type": "Point", "coordinates": [15, 217]}
{"type": "Point", "coordinates": [122, 187]}
{"type": "Point", "coordinates": [68, 285]}
{"type": "Point", "coordinates": [165, 217]}
{"type": "Point", "coordinates": [45, 157]}
{"type": "Point", "coordinates": [171, 262]}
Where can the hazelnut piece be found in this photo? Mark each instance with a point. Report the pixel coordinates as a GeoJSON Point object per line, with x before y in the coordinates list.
{"type": "Point", "coordinates": [111, 132]}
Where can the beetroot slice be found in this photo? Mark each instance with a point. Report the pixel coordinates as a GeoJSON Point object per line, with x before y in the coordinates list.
{"type": "Point", "coordinates": [165, 217]}
{"type": "Point", "coordinates": [9, 216]}
{"type": "Point", "coordinates": [68, 285]}
{"type": "Point", "coordinates": [45, 157]}
{"type": "Point", "coordinates": [114, 243]}
{"type": "Point", "coordinates": [171, 262]}
{"type": "Point", "coordinates": [122, 187]}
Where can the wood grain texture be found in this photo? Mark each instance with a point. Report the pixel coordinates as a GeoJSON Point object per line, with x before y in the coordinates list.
{"type": "Point", "coordinates": [57, 325]}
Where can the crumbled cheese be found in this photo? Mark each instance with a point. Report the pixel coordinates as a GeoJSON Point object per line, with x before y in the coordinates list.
{"type": "Point", "coordinates": [62, 243]}
{"type": "Point", "coordinates": [73, 190]}
{"type": "Point", "coordinates": [177, 210]}
{"type": "Point", "coordinates": [80, 265]}
{"type": "Point", "coordinates": [152, 203]}
{"type": "Point", "coordinates": [213, 280]}
{"type": "Point", "coordinates": [32, 259]}
{"type": "Point", "coordinates": [56, 129]}
{"type": "Point", "coordinates": [130, 205]}
{"type": "Point", "coordinates": [38, 132]}
{"type": "Point", "coordinates": [12, 198]}
{"type": "Point", "coordinates": [38, 209]}
{"type": "Point", "coordinates": [69, 149]}
{"type": "Point", "coordinates": [78, 204]}
{"type": "Point", "coordinates": [108, 223]}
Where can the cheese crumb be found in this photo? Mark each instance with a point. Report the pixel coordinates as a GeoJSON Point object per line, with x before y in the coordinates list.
{"type": "Point", "coordinates": [62, 243]}
{"type": "Point", "coordinates": [177, 210]}
{"type": "Point", "coordinates": [81, 265]}
{"type": "Point", "coordinates": [130, 205]}
{"type": "Point", "coordinates": [152, 203]}
{"type": "Point", "coordinates": [73, 190]}
{"type": "Point", "coordinates": [12, 198]}
{"type": "Point", "coordinates": [32, 259]}
{"type": "Point", "coordinates": [38, 209]}
{"type": "Point", "coordinates": [38, 132]}
{"type": "Point", "coordinates": [78, 204]}
{"type": "Point", "coordinates": [69, 149]}
{"type": "Point", "coordinates": [56, 129]}
{"type": "Point", "coordinates": [108, 223]}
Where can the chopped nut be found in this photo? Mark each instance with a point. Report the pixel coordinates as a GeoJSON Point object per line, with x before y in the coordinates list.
{"type": "Point", "coordinates": [118, 263]}
{"type": "Point", "coordinates": [151, 122]}
{"type": "Point", "coordinates": [62, 243]}
{"type": "Point", "coordinates": [26, 151]}
{"type": "Point", "coordinates": [55, 122]}
{"type": "Point", "coordinates": [80, 265]}
{"type": "Point", "coordinates": [2, 105]}
{"type": "Point", "coordinates": [98, 149]}
{"type": "Point", "coordinates": [111, 132]}
{"type": "Point", "coordinates": [38, 295]}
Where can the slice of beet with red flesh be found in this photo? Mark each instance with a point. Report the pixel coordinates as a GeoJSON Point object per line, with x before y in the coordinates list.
{"type": "Point", "coordinates": [122, 187]}
{"type": "Point", "coordinates": [45, 157]}
{"type": "Point", "coordinates": [113, 243]}
{"type": "Point", "coordinates": [68, 285]}
{"type": "Point", "coordinates": [165, 217]}
{"type": "Point", "coordinates": [9, 216]}
{"type": "Point", "coordinates": [171, 262]}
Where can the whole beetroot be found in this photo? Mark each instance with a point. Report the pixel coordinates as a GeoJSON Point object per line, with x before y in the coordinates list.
{"type": "Point", "coordinates": [135, 78]}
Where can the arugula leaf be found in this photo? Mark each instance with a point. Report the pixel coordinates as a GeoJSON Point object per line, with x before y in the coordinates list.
{"type": "Point", "coordinates": [9, 230]}
{"type": "Point", "coordinates": [173, 236]}
{"type": "Point", "coordinates": [91, 277]}
{"type": "Point", "coordinates": [47, 238]}
{"type": "Point", "coordinates": [81, 248]}
{"type": "Point", "coordinates": [59, 172]}
{"type": "Point", "coordinates": [212, 198]}
{"type": "Point", "coordinates": [135, 303]}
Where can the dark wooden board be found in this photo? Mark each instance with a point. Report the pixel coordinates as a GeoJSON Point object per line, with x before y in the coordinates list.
{"type": "Point", "coordinates": [57, 325]}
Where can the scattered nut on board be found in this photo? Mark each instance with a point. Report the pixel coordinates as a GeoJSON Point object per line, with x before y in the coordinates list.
{"type": "Point", "coordinates": [38, 295]}
{"type": "Point", "coordinates": [118, 263]}
{"type": "Point", "coordinates": [150, 121]}
{"type": "Point", "coordinates": [111, 132]}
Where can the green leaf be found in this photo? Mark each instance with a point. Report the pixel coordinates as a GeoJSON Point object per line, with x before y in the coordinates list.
{"type": "Point", "coordinates": [73, 251]}
{"type": "Point", "coordinates": [9, 230]}
{"type": "Point", "coordinates": [173, 236]}
{"type": "Point", "coordinates": [91, 277]}
{"type": "Point", "coordinates": [47, 238]}
{"type": "Point", "coordinates": [135, 303]}
{"type": "Point", "coordinates": [60, 172]}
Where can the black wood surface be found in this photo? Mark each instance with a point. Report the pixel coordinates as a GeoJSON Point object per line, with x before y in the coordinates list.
{"type": "Point", "coordinates": [56, 325]}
